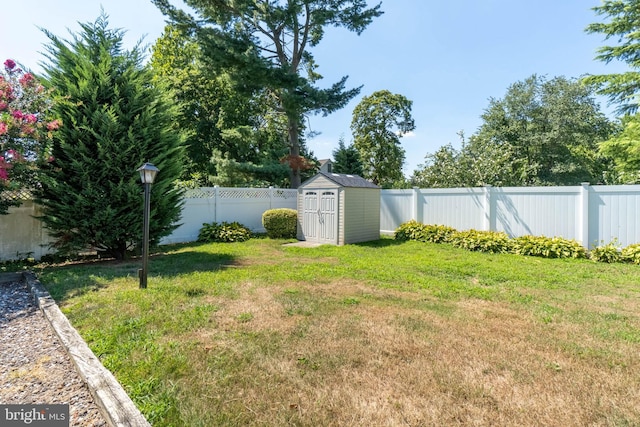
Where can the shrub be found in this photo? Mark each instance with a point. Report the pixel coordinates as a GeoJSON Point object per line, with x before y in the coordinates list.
{"type": "Point", "coordinates": [606, 253]}
{"type": "Point", "coordinates": [224, 232]}
{"type": "Point", "coordinates": [410, 230]}
{"type": "Point", "coordinates": [631, 253]}
{"type": "Point", "coordinates": [482, 241]}
{"type": "Point", "coordinates": [438, 233]}
{"type": "Point", "coordinates": [280, 223]}
{"type": "Point", "coordinates": [547, 247]}
{"type": "Point", "coordinates": [413, 230]}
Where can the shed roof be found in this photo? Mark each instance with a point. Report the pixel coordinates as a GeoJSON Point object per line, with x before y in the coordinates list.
{"type": "Point", "coordinates": [345, 180]}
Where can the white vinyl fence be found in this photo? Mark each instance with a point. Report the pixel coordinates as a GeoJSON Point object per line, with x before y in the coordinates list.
{"type": "Point", "coordinates": [218, 204]}
{"type": "Point", "coordinates": [589, 214]}
{"type": "Point", "coordinates": [22, 235]}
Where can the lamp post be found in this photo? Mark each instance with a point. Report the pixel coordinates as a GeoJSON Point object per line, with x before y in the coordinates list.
{"type": "Point", "coordinates": [147, 174]}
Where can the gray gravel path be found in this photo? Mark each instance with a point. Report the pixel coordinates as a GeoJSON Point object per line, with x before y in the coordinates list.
{"type": "Point", "coordinates": [34, 368]}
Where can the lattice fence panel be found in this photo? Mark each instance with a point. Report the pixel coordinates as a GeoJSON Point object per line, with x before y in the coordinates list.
{"type": "Point", "coordinates": [240, 193]}
{"type": "Point", "coordinates": [285, 194]}
{"type": "Point", "coordinates": [200, 193]}
{"type": "Point", "coordinates": [16, 195]}
{"type": "Point", "coordinates": [244, 193]}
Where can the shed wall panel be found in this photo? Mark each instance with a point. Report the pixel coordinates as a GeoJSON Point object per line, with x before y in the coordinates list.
{"type": "Point", "coordinates": [361, 215]}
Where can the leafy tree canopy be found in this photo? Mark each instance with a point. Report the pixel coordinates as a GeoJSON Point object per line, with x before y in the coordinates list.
{"type": "Point", "coordinates": [266, 45]}
{"type": "Point", "coordinates": [624, 149]}
{"type": "Point", "coordinates": [542, 132]}
{"type": "Point", "coordinates": [26, 129]}
{"type": "Point", "coordinates": [623, 25]}
{"type": "Point", "coordinates": [378, 123]}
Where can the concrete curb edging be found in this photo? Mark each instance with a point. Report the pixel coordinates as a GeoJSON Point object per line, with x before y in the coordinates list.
{"type": "Point", "coordinates": [114, 403]}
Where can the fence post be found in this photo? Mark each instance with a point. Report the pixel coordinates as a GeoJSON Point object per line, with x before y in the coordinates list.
{"type": "Point", "coordinates": [414, 213]}
{"type": "Point", "coordinates": [271, 197]}
{"type": "Point", "coordinates": [488, 220]}
{"type": "Point", "coordinates": [216, 202]}
{"type": "Point", "coordinates": [583, 215]}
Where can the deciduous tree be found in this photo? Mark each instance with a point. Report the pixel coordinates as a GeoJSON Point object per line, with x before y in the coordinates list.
{"type": "Point", "coordinates": [624, 150]}
{"type": "Point", "coordinates": [550, 128]}
{"type": "Point", "coordinates": [379, 121]}
{"type": "Point", "coordinates": [26, 128]}
{"type": "Point", "coordinates": [542, 132]}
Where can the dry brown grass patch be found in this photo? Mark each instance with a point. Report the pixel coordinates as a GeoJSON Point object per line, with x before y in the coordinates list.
{"type": "Point", "coordinates": [373, 363]}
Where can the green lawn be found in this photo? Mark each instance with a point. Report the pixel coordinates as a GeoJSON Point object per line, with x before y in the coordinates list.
{"type": "Point", "coordinates": [382, 333]}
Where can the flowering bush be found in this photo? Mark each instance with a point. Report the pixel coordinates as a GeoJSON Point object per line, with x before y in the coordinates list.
{"type": "Point", "coordinates": [26, 129]}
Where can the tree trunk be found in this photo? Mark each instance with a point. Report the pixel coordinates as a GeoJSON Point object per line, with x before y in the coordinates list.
{"type": "Point", "coordinates": [294, 152]}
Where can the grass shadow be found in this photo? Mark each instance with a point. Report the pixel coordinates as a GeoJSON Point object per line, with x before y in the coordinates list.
{"type": "Point", "coordinates": [68, 281]}
{"type": "Point", "coordinates": [381, 243]}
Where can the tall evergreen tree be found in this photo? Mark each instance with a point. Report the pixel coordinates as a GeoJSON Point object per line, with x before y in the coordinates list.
{"type": "Point", "coordinates": [115, 120]}
{"type": "Point", "coordinates": [266, 45]}
{"type": "Point", "coordinates": [622, 25]}
{"type": "Point", "coordinates": [347, 159]}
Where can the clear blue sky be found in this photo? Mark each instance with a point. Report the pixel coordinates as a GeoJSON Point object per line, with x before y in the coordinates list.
{"type": "Point", "coordinates": [448, 57]}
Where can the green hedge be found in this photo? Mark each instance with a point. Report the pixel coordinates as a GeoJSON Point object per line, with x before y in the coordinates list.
{"type": "Point", "coordinates": [280, 223]}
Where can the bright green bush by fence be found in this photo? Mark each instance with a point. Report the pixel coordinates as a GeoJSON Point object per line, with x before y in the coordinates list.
{"type": "Point", "coordinates": [280, 223]}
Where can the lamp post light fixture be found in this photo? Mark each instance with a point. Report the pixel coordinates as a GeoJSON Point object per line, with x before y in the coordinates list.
{"type": "Point", "coordinates": [147, 174]}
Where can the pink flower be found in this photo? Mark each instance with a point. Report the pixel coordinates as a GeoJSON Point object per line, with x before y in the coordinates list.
{"type": "Point", "coordinates": [3, 105]}
{"type": "Point", "coordinates": [54, 125]}
{"type": "Point", "coordinates": [6, 91]}
{"type": "Point", "coordinates": [27, 79]}
{"type": "Point", "coordinates": [3, 128]}
{"type": "Point", "coordinates": [9, 64]}
{"type": "Point", "coordinates": [17, 114]}
{"type": "Point", "coordinates": [4, 175]}
{"type": "Point", "coordinates": [51, 159]}
{"type": "Point", "coordinates": [28, 130]}
{"type": "Point", "coordinates": [31, 118]}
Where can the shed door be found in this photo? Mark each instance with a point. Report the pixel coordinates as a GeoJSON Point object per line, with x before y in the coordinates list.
{"type": "Point", "coordinates": [320, 216]}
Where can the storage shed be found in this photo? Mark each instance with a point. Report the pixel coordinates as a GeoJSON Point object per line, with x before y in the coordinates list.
{"type": "Point", "coordinates": [338, 209]}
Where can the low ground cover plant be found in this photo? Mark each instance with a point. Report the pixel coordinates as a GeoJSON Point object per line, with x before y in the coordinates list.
{"type": "Point", "coordinates": [483, 241]}
{"type": "Point", "coordinates": [413, 230]}
{"type": "Point", "coordinates": [606, 253]}
{"type": "Point", "coordinates": [547, 247]}
{"type": "Point", "coordinates": [498, 242]}
{"type": "Point", "coordinates": [224, 232]}
{"type": "Point", "coordinates": [631, 253]}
